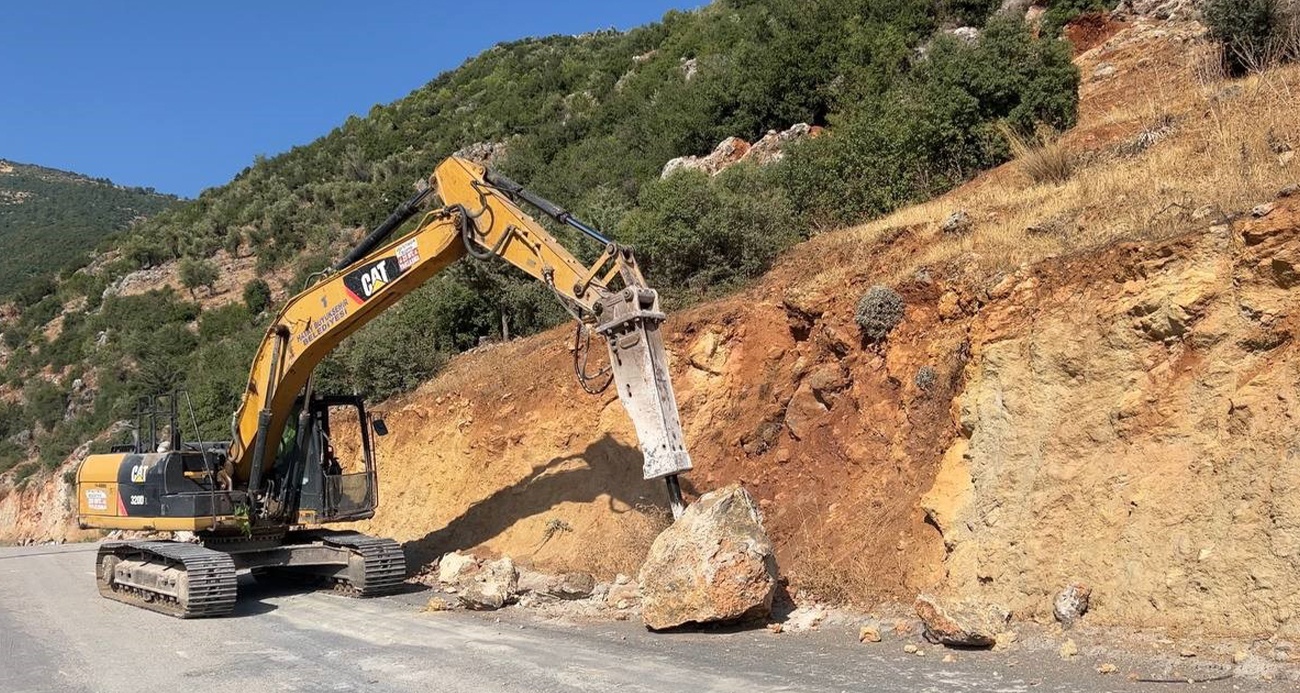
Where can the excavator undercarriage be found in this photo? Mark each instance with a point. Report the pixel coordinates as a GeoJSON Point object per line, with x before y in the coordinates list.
{"type": "Point", "coordinates": [192, 580]}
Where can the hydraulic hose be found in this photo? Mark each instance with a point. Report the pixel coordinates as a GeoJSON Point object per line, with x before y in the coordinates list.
{"type": "Point", "coordinates": [547, 207]}
{"type": "Point", "coordinates": [399, 216]}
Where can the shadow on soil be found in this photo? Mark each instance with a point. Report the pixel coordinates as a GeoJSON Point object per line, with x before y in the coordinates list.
{"type": "Point", "coordinates": [611, 468]}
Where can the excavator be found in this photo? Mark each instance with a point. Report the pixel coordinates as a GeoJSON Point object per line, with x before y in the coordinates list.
{"type": "Point", "coordinates": [260, 503]}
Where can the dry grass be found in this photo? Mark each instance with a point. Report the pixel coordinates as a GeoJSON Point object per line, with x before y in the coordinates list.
{"type": "Point", "coordinates": [1042, 158]}
{"type": "Point", "coordinates": [1201, 142]}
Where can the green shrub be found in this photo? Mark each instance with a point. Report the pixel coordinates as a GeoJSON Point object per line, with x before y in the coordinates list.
{"type": "Point", "coordinates": [936, 128]}
{"type": "Point", "coordinates": [694, 235]}
{"type": "Point", "coordinates": [11, 419]}
{"type": "Point", "coordinates": [1062, 12]}
{"type": "Point", "coordinates": [257, 296]}
{"type": "Point", "coordinates": [1253, 33]}
{"type": "Point", "coordinates": [226, 321]}
{"type": "Point", "coordinates": [46, 403]}
{"type": "Point", "coordinates": [970, 12]}
{"type": "Point", "coordinates": [879, 311]}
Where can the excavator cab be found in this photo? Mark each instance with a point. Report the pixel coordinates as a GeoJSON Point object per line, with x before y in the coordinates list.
{"type": "Point", "coordinates": [318, 478]}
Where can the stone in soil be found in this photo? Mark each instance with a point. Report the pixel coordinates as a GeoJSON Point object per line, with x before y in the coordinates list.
{"type": "Point", "coordinates": [714, 564]}
{"type": "Point", "coordinates": [1071, 603]}
{"type": "Point", "coordinates": [961, 624]}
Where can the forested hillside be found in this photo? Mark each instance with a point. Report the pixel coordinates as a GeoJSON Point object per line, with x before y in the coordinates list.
{"type": "Point", "coordinates": [51, 219]}
{"type": "Point", "coordinates": [911, 109]}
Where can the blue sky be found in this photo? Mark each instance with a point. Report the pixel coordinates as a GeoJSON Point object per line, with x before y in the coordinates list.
{"type": "Point", "coordinates": [181, 95]}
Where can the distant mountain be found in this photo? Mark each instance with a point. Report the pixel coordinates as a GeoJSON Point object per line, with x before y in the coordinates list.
{"type": "Point", "coordinates": [50, 219]}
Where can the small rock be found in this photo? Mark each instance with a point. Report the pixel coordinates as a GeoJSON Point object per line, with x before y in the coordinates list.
{"type": "Point", "coordinates": [1068, 649]}
{"type": "Point", "coordinates": [572, 586]}
{"type": "Point", "coordinates": [868, 634]}
{"type": "Point", "coordinates": [1285, 158]}
{"type": "Point", "coordinates": [968, 35]}
{"type": "Point", "coordinates": [1288, 190]}
{"type": "Point", "coordinates": [1262, 210]}
{"type": "Point", "coordinates": [713, 564]}
{"type": "Point", "coordinates": [1103, 71]}
{"type": "Point", "coordinates": [958, 222]}
{"type": "Point", "coordinates": [775, 627]}
{"type": "Point", "coordinates": [805, 618]}
{"type": "Point", "coordinates": [437, 604]}
{"type": "Point", "coordinates": [454, 566]}
{"type": "Point", "coordinates": [949, 659]}
{"type": "Point", "coordinates": [1071, 603]}
{"type": "Point", "coordinates": [909, 648]}
{"type": "Point", "coordinates": [1240, 656]}
{"type": "Point", "coordinates": [1005, 640]}
{"type": "Point", "coordinates": [961, 624]}
{"type": "Point", "coordinates": [532, 582]}
{"type": "Point", "coordinates": [623, 595]}
{"type": "Point", "coordinates": [1202, 212]}
{"type": "Point", "coordinates": [919, 652]}
{"type": "Point", "coordinates": [1107, 668]}
{"type": "Point", "coordinates": [1187, 653]}
{"type": "Point", "coordinates": [949, 305]}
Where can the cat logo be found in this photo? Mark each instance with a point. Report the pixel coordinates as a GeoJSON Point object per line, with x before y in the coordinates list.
{"type": "Point", "coordinates": [137, 473]}
{"type": "Point", "coordinates": [364, 282]}
{"type": "Point", "coordinates": [374, 280]}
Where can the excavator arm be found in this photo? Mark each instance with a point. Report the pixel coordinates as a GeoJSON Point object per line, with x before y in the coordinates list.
{"type": "Point", "coordinates": [480, 217]}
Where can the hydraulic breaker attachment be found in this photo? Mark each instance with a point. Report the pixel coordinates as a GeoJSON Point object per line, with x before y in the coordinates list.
{"type": "Point", "coordinates": [630, 322]}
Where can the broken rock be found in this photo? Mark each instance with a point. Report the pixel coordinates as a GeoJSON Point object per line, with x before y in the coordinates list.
{"type": "Point", "coordinates": [961, 624]}
{"type": "Point", "coordinates": [455, 565]}
{"type": "Point", "coordinates": [714, 564]}
{"type": "Point", "coordinates": [572, 586]}
{"type": "Point", "coordinates": [492, 586]}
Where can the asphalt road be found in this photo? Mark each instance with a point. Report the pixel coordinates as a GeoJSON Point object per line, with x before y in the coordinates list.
{"type": "Point", "coordinates": [58, 634]}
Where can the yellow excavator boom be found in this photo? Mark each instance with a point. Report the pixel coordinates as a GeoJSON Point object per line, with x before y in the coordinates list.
{"type": "Point", "coordinates": [479, 217]}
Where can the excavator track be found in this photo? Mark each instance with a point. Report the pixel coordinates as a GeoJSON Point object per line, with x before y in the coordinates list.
{"type": "Point", "coordinates": [384, 564]}
{"type": "Point", "coordinates": [197, 582]}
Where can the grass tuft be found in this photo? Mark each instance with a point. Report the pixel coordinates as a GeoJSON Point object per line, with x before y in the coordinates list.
{"type": "Point", "coordinates": [1042, 157]}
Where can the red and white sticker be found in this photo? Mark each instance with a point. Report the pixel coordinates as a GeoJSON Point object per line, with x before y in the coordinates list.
{"type": "Point", "coordinates": [408, 254]}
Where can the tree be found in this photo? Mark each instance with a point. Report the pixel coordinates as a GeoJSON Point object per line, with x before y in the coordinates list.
{"type": "Point", "coordinates": [196, 273]}
{"type": "Point", "coordinates": [257, 296]}
{"type": "Point", "coordinates": [234, 240]}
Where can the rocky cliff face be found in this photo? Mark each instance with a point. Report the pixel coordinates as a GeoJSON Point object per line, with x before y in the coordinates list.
{"type": "Point", "coordinates": [41, 512]}
{"type": "Point", "coordinates": [1129, 419]}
